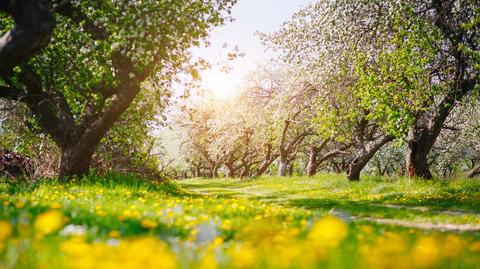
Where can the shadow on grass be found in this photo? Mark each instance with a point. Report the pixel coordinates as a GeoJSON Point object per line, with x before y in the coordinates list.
{"type": "Point", "coordinates": [364, 209]}
{"type": "Point", "coordinates": [451, 202]}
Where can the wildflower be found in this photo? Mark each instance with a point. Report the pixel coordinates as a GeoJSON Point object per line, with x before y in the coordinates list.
{"type": "Point", "coordinates": [475, 246]}
{"type": "Point", "coordinates": [5, 230]}
{"type": "Point", "coordinates": [244, 256]}
{"type": "Point", "coordinates": [227, 225]}
{"type": "Point", "coordinates": [426, 252]}
{"type": "Point", "coordinates": [114, 234]}
{"type": "Point", "coordinates": [452, 247]}
{"type": "Point", "coordinates": [208, 262]}
{"type": "Point", "coordinates": [149, 224]}
{"type": "Point", "coordinates": [329, 231]}
{"type": "Point", "coordinates": [48, 222]}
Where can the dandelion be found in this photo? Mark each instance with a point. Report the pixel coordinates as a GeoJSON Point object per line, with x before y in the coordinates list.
{"type": "Point", "coordinates": [227, 225]}
{"type": "Point", "coordinates": [48, 222]}
{"type": "Point", "coordinates": [148, 224]}
{"type": "Point", "coordinates": [329, 231]}
{"type": "Point", "coordinates": [114, 234]}
{"type": "Point", "coordinates": [452, 247]}
{"type": "Point", "coordinates": [5, 230]}
{"type": "Point", "coordinates": [426, 252]}
{"type": "Point", "coordinates": [244, 256]}
{"type": "Point", "coordinates": [208, 262]}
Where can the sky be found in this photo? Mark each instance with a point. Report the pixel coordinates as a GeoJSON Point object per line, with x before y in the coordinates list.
{"type": "Point", "coordinates": [250, 16]}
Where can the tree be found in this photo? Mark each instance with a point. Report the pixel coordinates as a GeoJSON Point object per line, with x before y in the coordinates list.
{"type": "Point", "coordinates": [323, 41]}
{"type": "Point", "coordinates": [457, 50]}
{"type": "Point", "coordinates": [99, 57]}
{"type": "Point", "coordinates": [288, 103]}
{"type": "Point", "coordinates": [407, 65]}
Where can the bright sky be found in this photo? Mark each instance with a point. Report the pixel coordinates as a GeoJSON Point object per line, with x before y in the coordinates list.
{"type": "Point", "coordinates": [250, 16]}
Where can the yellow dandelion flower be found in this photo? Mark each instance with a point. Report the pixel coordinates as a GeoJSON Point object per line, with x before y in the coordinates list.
{"type": "Point", "coordinates": [244, 256]}
{"type": "Point", "coordinates": [55, 205]}
{"type": "Point", "coordinates": [329, 231]}
{"type": "Point", "coordinates": [208, 262]}
{"type": "Point", "coordinates": [114, 234]}
{"type": "Point", "coordinates": [227, 225]}
{"type": "Point", "coordinates": [475, 246]}
{"type": "Point", "coordinates": [5, 230]}
{"type": "Point", "coordinates": [49, 221]}
{"type": "Point", "coordinates": [426, 252]}
{"type": "Point", "coordinates": [453, 246]}
{"type": "Point", "coordinates": [148, 224]}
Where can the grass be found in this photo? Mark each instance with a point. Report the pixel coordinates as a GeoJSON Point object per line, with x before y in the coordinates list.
{"type": "Point", "coordinates": [296, 222]}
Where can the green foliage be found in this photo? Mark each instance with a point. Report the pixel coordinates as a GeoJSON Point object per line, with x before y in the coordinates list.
{"type": "Point", "coordinates": [396, 83]}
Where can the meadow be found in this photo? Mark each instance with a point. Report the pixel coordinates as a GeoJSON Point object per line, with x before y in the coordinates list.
{"type": "Point", "coordinates": [295, 222]}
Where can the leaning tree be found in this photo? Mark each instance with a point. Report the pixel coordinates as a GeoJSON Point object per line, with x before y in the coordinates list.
{"type": "Point", "coordinates": [78, 65]}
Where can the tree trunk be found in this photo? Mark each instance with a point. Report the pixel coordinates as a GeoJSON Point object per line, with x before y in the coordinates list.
{"type": "Point", "coordinates": [282, 167]}
{"type": "Point", "coordinates": [245, 171]}
{"type": "Point", "coordinates": [312, 159]}
{"type": "Point", "coordinates": [267, 161]}
{"type": "Point", "coordinates": [75, 160]}
{"type": "Point", "coordinates": [474, 172]}
{"type": "Point", "coordinates": [291, 168]}
{"type": "Point", "coordinates": [419, 145]}
{"type": "Point", "coordinates": [315, 160]}
{"type": "Point", "coordinates": [263, 167]}
{"type": "Point", "coordinates": [214, 170]}
{"type": "Point", "coordinates": [230, 171]}
{"type": "Point", "coordinates": [364, 156]}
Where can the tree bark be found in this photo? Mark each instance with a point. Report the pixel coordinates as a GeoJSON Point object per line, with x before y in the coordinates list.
{"type": "Point", "coordinates": [364, 156]}
{"type": "Point", "coordinates": [230, 172]}
{"type": "Point", "coordinates": [474, 172]}
{"type": "Point", "coordinates": [32, 32]}
{"type": "Point", "coordinates": [312, 161]}
{"type": "Point", "coordinates": [75, 160]}
{"type": "Point", "coordinates": [267, 161]}
{"type": "Point", "coordinates": [419, 142]}
{"type": "Point", "coordinates": [282, 166]}
{"type": "Point", "coordinates": [315, 160]}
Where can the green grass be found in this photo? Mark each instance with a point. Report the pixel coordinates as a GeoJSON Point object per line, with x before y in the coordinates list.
{"type": "Point", "coordinates": [325, 221]}
{"type": "Point", "coordinates": [455, 201]}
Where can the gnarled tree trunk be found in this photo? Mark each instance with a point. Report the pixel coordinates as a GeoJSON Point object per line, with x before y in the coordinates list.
{"type": "Point", "coordinates": [282, 166]}
{"type": "Point", "coordinates": [267, 161]}
{"type": "Point", "coordinates": [474, 172]}
{"type": "Point", "coordinates": [419, 145]}
{"type": "Point", "coordinates": [364, 156]}
{"type": "Point", "coordinates": [75, 160]}
{"type": "Point", "coordinates": [312, 160]}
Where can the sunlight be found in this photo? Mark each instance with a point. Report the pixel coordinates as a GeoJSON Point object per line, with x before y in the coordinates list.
{"type": "Point", "coordinates": [220, 83]}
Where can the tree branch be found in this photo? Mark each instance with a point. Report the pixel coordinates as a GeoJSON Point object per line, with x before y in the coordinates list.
{"type": "Point", "coordinates": [68, 10]}
{"type": "Point", "coordinates": [32, 31]}
{"type": "Point", "coordinates": [50, 108]}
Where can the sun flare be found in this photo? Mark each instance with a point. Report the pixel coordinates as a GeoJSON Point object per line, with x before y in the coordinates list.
{"type": "Point", "coordinates": [219, 83]}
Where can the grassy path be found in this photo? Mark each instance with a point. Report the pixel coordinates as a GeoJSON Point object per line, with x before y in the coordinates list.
{"type": "Point", "coordinates": [442, 206]}
{"type": "Point", "coordinates": [321, 222]}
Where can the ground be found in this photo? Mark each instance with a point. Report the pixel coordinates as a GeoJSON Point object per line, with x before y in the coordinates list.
{"type": "Point", "coordinates": [324, 221]}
